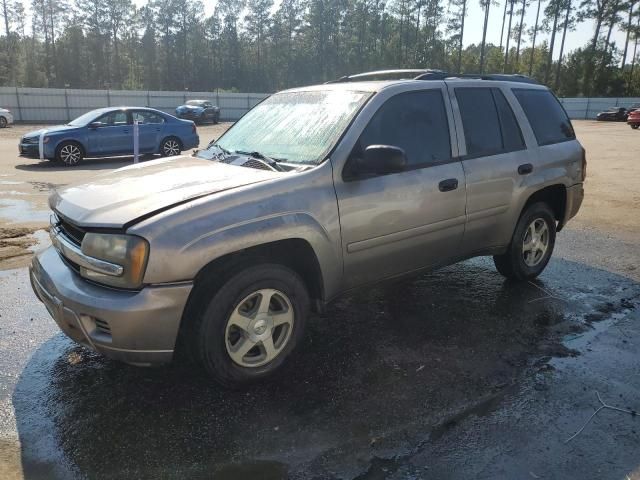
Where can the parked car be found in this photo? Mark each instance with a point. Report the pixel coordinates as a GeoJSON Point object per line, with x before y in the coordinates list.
{"type": "Point", "coordinates": [200, 111]}
{"type": "Point", "coordinates": [614, 114]}
{"type": "Point", "coordinates": [633, 108]}
{"type": "Point", "coordinates": [108, 132]}
{"type": "Point", "coordinates": [634, 119]}
{"type": "Point", "coordinates": [6, 117]}
{"type": "Point", "coordinates": [314, 192]}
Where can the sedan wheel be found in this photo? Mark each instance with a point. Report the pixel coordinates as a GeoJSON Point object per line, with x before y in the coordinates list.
{"type": "Point", "coordinates": [171, 147]}
{"type": "Point", "coordinates": [69, 154]}
{"type": "Point", "coordinates": [3, 122]}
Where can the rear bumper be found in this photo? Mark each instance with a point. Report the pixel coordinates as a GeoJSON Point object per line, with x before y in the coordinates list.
{"type": "Point", "coordinates": [575, 195]}
{"type": "Point", "coordinates": [138, 327]}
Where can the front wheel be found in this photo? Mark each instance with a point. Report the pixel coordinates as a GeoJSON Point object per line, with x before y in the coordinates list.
{"type": "Point", "coordinates": [531, 246]}
{"type": "Point", "coordinates": [635, 125]}
{"type": "Point", "coordinates": [3, 122]}
{"type": "Point", "coordinates": [252, 324]}
{"type": "Point", "coordinates": [170, 146]}
{"type": "Point", "coordinates": [69, 154]}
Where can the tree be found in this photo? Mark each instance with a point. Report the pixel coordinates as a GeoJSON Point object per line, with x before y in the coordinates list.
{"type": "Point", "coordinates": [534, 33]}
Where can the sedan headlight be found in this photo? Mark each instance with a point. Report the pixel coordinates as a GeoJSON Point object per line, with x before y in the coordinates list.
{"type": "Point", "coordinates": [127, 251]}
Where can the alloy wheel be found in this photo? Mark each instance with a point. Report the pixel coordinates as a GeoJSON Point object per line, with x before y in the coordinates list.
{"type": "Point", "coordinates": [259, 328]}
{"type": "Point", "coordinates": [70, 154]}
{"type": "Point", "coordinates": [535, 242]}
{"type": "Point", "coordinates": [171, 148]}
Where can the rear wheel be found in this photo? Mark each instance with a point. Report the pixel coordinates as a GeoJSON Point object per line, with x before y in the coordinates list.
{"type": "Point", "coordinates": [251, 324]}
{"type": "Point", "coordinates": [69, 154]}
{"type": "Point", "coordinates": [170, 146]}
{"type": "Point", "coordinates": [531, 246]}
{"type": "Point", "coordinates": [635, 125]}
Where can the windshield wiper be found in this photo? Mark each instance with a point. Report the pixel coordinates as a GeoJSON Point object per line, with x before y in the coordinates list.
{"type": "Point", "coordinates": [260, 156]}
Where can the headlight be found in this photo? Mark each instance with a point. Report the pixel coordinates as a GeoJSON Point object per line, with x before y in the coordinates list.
{"type": "Point", "coordinates": [128, 251]}
{"type": "Point", "coordinates": [45, 140]}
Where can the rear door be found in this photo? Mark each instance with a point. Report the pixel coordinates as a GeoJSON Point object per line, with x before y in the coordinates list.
{"type": "Point", "coordinates": [495, 160]}
{"type": "Point", "coordinates": [150, 126]}
{"type": "Point", "coordinates": [404, 221]}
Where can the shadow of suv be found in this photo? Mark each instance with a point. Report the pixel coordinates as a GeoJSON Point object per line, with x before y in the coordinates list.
{"type": "Point", "coordinates": [314, 192]}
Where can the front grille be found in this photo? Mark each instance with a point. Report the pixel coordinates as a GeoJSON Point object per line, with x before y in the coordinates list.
{"type": "Point", "coordinates": [74, 233]}
{"type": "Point", "coordinates": [102, 326]}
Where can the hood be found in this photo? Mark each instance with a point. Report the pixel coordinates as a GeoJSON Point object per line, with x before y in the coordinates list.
{"type": "Point", "coordinates": [189, 107]}
{"type": "Point", "coordinates": [51, 129]}
{"type": "Point", "coordinates": [117, 199]}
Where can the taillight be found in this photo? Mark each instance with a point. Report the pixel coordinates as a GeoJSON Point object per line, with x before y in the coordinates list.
{"type": "Point", "coordinates": [584, 164]}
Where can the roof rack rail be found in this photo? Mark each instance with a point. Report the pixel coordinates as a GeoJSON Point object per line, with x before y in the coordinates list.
{"type": "Point", "coordinates": [397, 74]}
{"type": "Point", "coordinates": [431, 74]}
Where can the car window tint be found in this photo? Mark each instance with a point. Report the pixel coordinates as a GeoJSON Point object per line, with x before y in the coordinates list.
{"type": "Point", "coordinates": [511, 135]}
{"type": "Point", "coordinates": [147, 117]}
{"type": "Point", "coordinates": [480, 121]}
{"type": "Point", "coordinates": [546, 116]}
{"type": "Point", "coordinates": [114, 118]}
{"type": "Point", "coordinates": [414, 121]}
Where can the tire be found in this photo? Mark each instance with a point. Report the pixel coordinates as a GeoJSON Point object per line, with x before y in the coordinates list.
{"type": "Point", "coordinates": [520, 264]}
{"type": "Point", "coordinates": [216, 118]}
{"type": "Point", "coordinates": [69, 154]}
{"type": "Point", "coordinates": [3, 122]}
{"type": "Point", "coordinates": [170, 147]}
{"type": "Point", "coordinates": [238, 356]}
{"type": "Point", "coordinates": [635, 126]}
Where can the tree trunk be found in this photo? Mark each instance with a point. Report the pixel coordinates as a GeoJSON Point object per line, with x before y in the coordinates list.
{"type": "Point", "coordinates": [484, 34]}
{"type": "Point", "coordinates": [524, 6]}
{"type": "Point", "coordinates": [626, 40]}
{"type": "Point", "coordinates": [464, 13]}
{"type": "Point", "coordinates": [533, 43]}
{"type": "Point", "coordinates": [506, 49]}
{"type": "Point", "coordinates": [552, 43]}
{"type": "Point", "coordinates": [504, 19]}
{"type": "Point", "coordinates": [5, 12]}
{"type": "Point", "coordinates": [564, 35]}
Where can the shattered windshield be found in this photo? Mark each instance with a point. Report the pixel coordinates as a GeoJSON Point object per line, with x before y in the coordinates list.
{"type": "Point", "coordinates": [295, 127]}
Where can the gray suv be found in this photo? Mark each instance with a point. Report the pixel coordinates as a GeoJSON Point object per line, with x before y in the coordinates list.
{"type": "Point", "coordinates": [314, 192]}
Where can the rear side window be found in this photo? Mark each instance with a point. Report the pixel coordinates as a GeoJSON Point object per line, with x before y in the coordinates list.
{"type": "Point", "coordinates": [546, 116]}
{"type": "Point", "coordinates": [490, 127]}
{"type": "Point", "coordinates": [414, 121]}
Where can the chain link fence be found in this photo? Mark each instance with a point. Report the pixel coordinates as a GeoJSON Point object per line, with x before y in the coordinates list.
{"type": "Point", "coordinates": [48, 105]}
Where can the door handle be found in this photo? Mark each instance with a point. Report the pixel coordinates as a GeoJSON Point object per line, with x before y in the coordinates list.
{"type": "Point", "coordinates": [448, 184]}
{"type": "Point", "coordinates": [525, 169]}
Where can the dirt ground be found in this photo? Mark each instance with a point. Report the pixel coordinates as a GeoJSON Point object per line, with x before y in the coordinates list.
{"type": "Point", "coordinates": [611, 203]}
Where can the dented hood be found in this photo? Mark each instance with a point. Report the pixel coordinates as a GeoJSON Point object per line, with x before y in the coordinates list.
{"type": "Point", "coordinates": [118, 198]}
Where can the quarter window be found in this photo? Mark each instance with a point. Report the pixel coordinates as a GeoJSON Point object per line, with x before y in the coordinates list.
{"type": "Point", "coordinates": [490, 127]}
{"type": "Point", "coordinates": [548, 120]}
{"type": "Point", "coordinates": [414, 121]}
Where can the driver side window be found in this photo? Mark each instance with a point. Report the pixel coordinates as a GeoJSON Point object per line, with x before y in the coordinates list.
{"type": "Point", "coordinates": [414, 121]}
{"type": "Point", "coordinates": [114, 119]}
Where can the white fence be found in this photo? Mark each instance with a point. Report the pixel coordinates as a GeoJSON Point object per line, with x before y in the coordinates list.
{"type": "Point", "coordinates": [57, 105]}
{"type": "Point", "coordinates": [588, 108]}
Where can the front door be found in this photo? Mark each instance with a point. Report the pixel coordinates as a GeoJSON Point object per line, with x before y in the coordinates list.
{"type": "Point", "coordinates": [112, 134]}
{"type": "Point", "coordinates": [404, 221]}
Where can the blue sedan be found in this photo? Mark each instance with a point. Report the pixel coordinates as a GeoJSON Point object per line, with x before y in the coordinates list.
{"type": "Point", "coordinates": [108, 132]}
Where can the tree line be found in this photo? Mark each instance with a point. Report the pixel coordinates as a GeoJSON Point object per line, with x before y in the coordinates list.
{"type": "Point", "coordinates": [248, 45]}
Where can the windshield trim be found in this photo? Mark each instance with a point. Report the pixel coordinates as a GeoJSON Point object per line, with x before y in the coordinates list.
{"type": "Point", "coordinates": [324, 156]}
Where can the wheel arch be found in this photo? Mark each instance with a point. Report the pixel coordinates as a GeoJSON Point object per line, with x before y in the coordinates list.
{"type": "Point", "coordinates": [555, 196]}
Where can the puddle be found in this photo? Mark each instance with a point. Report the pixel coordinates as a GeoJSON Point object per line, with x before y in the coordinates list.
{"type": "Point", "coordinates": [45, 187]}
{"type": "Point", "coordinates": [10, 182]}
{"type": "Point", "coordinates": [21, 211]}
{"type": "Point", "coordinates": [263, 470]}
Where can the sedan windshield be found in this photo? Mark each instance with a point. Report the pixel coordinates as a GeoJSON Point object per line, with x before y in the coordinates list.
{"type": "Point", "coordinates": [295, 127]}
{"type": "Point", "coordinates": [83, 120]}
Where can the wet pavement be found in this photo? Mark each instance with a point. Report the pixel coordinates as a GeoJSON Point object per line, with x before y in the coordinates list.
{"type": "Point", "coordinates": [453, 374]}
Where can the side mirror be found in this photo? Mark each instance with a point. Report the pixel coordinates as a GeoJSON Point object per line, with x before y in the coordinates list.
{"type": "Point", "coordinates": [94, 125]}
{"type": "Point", "coordinates": [377, 160]}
